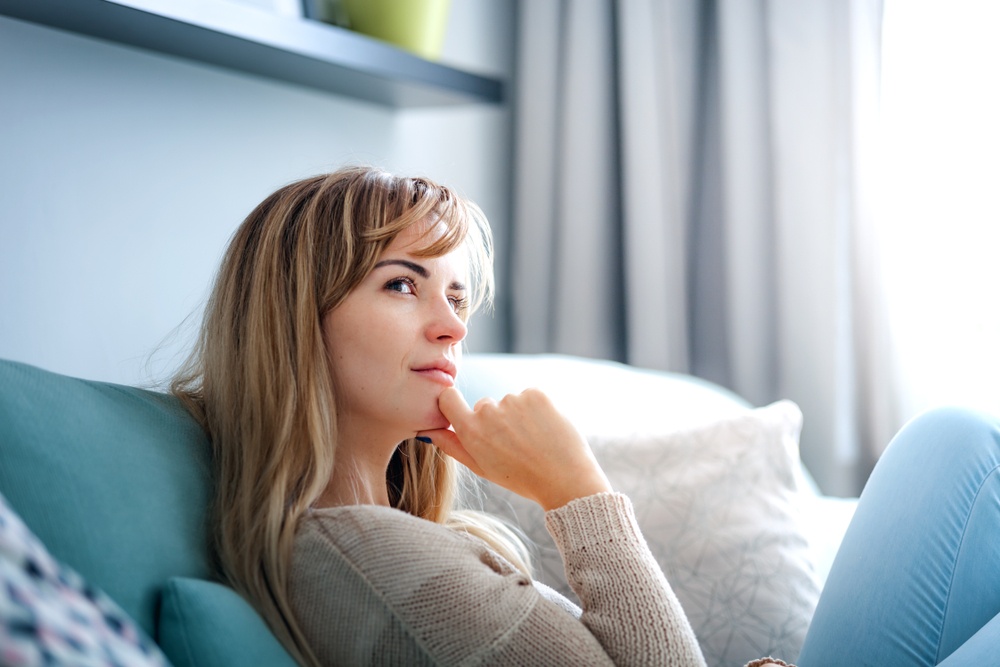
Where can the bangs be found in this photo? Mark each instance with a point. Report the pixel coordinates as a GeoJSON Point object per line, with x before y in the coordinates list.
{"type": "Point", "coordinates": [445, 231]}
{"type": "Point", "coordinates": [415, 200]}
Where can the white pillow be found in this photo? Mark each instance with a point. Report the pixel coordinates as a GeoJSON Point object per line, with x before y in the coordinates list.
{"type": "Point", "coordinates": [601, 397]}
{"type": "Point", "coordinates": [718, 506]}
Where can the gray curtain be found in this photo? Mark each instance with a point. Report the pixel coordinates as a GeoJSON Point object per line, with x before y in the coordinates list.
{"type": "Point", "coordinates": [691, 194]}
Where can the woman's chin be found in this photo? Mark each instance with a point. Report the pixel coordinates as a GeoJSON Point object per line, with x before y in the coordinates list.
{"type": "Point", "coordinates": [435, 421]}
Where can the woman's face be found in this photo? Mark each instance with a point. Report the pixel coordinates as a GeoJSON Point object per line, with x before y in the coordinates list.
{"type": "Point", "coordinates": [395, 341]}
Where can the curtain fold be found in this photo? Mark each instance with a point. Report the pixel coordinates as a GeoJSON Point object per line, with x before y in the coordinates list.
{"type": "Point", "coordinates": [691, 195]}
{"type": "Point", "coordinates": [565, 259]}
{"type": "Point", "coordinates": [657, 54]}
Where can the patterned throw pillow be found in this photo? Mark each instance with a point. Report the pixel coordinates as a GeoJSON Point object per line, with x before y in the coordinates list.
{"type": "Point", "coordinates": [50, 616]}
{"type": "Point", "coordinates": [719, 507]}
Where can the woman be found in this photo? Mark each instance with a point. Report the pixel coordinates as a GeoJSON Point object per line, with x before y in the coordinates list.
{"type": "Point", "coordinates": [324, 376]}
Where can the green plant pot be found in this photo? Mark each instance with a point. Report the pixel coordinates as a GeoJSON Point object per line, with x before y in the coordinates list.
{"type": "Point", "coordinates": [415, 25]}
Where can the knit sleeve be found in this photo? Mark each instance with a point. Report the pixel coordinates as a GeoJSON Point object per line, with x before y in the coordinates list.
{"type": "Point", "coordinates": [377, 586]}
{"type": "Point", "coordinates": [627, 603]}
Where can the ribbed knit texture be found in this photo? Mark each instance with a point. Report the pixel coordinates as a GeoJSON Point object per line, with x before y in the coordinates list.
{"type": "Point", "coordinates": [628, 604]}
{"type": "Point", "coordinates": [375, 586]}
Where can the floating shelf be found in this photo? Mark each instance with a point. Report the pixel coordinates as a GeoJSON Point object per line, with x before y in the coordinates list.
{"type": "Point", "coordinates": [296, 50]}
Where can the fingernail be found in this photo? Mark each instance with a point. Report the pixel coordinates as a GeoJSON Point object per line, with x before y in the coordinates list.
{"type": "Point", "coordinates": [424, 438]}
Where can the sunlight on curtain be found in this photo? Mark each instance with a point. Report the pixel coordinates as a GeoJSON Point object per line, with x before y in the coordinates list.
{"type": "Point", "coordinates": [939, 213]}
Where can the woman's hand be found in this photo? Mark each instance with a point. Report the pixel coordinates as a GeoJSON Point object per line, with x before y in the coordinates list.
{"type": "Point", "coordinates": [521, 443]}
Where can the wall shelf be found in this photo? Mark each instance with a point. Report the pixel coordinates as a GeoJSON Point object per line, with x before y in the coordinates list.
{"type": "Point", "coordinates": [296, 50]}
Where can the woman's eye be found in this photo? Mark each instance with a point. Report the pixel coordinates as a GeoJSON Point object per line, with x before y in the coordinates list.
{"type": "Point", "coordinates": [459, 303]}
{"type": "Point", "coordinates": [401, 285]}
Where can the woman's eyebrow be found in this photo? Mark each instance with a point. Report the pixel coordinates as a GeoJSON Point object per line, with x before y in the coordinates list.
{"type": "Point", "coordinates": [412, 266]}
{"type": "Point", "coordinates": [419, 270]}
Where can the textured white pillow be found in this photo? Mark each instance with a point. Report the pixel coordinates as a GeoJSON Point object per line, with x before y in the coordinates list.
{"type": "Point", "coordinates": [718, 506]}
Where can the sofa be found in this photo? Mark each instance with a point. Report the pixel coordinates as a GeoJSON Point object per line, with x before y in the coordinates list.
{"type": "Point", "coordinates": [104, 536]}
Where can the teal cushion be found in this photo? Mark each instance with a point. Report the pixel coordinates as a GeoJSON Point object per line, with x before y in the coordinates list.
{"type": "Point", "coordinates": [114, 480]}
{"type": "Point", "coordinates": [206, 624]}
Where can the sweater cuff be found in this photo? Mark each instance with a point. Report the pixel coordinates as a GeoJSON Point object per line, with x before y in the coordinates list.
{"type": "Point", "coordinates": [601, 518]}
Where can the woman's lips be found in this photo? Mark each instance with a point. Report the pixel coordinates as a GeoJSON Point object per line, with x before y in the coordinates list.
{"type": "Point", "coordinates": [438, 375]}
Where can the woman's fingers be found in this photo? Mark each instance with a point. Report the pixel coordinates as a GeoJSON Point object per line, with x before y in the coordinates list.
{"type": "Point", "coordinates": [452, 405]}
{"type": "Point", "coordinates": [522, 443]}
{"type": "Point", "coordinates": [454, 408]}
{"type": "Point", "coordinates": [446, 440]}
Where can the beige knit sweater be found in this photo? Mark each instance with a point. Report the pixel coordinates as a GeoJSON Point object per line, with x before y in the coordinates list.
{"type": "Point", "coordinates": [372, 585]}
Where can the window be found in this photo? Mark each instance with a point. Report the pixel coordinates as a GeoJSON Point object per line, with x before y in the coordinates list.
{"type": "Point", "coordinates": [939, 208]}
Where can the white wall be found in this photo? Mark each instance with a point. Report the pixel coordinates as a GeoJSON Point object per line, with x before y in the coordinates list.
{"type": "Point", "coordinates": [123, 174]}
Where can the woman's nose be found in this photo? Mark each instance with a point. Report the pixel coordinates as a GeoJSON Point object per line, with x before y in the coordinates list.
{"type": "Point", "coordinates": [445, 324]}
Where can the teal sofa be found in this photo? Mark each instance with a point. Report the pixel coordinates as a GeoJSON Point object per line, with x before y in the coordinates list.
{"type": "Point", "coordinates": [115, 481]}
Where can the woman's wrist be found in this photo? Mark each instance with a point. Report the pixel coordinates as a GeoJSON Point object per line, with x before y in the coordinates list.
{"type": "Point", "coordinates": [605, 517]}
{"type": "Point", "coordinates": [591, 487]}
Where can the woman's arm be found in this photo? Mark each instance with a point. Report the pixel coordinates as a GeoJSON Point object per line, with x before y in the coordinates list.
{"type": "Point", "coordinates": [627, 603]}
{"type": "Point", "coordinates": [371, 584]}
{"type": "Point", "coordinates": [525, 445]}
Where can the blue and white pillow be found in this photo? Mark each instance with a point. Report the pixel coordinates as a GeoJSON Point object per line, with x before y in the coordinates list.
{"type": "Point", "coordinates": [50, 615]}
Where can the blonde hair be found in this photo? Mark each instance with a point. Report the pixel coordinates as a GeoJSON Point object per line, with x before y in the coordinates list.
{"type": "Point", "coordinates": [259, 379]}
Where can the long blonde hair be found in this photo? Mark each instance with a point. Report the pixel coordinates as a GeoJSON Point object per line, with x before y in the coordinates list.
{"type": "Point", "coordinates": [259, 379]}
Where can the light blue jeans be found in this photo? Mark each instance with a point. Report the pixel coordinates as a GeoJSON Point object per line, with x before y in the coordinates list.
{"type": "Point", "coordinates": [917, 578]}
